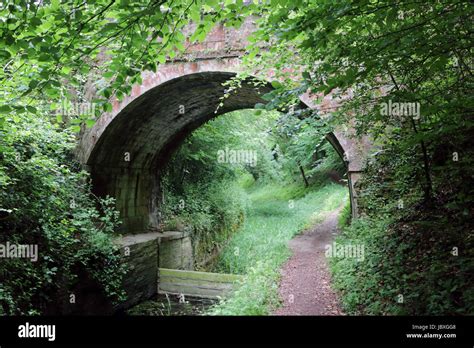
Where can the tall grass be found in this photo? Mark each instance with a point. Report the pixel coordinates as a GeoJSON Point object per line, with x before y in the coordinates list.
{"type": "Point", "coordinates": [260, 247]}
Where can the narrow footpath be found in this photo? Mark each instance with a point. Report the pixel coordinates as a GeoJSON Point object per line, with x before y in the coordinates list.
{"type": "Point", "coordinates": [305, 286]}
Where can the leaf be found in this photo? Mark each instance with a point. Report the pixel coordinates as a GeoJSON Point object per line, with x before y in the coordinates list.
{"type": "Point", "coordinates": [31, 109]}
{"type": "Point", "coordinates": [109, 74]}
{"type": "Point", "coordinates": [195, 15]}
{"type": "Point", "coordinates": [161, 59]}
{"type": "Point", "coordinates": [90, 123]}
{"type": "Point", "coordinates": [66, 70]}
{"type": "Point", "coordinates": [5, 109]}
{"type": "Point", "coordinates": [5, 54]}
{"type": "Point", "coordinates": [55, 4]}
{"type": "Point", "coordinates": [276, 84]}
{"type": "Point", "coordinates": [179, 45]}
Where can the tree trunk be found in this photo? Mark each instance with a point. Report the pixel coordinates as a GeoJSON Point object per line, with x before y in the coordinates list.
{"type": "Point", "coordinates": [428, 188]}
{"type": "Point", "coordinates": [306, 184]}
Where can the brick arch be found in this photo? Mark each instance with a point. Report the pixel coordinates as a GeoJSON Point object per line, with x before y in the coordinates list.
{"type": "Point", "coordinates": [133, 141]}
{"type": "Point", "coordinates": [150, 80]}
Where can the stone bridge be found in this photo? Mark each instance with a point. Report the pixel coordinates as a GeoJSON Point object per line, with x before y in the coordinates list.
{"type": "Point", "coordinates": [126, 148]}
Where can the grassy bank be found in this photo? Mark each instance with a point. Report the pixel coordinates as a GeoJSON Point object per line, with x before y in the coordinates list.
{"type": "Point", "coordinates": [259, 248]}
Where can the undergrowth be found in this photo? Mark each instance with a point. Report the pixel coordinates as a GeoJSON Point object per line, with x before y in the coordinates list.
{"type": "Point", "coordinates": [260, 247]}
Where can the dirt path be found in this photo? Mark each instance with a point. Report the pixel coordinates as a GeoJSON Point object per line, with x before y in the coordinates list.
{"type": "Point", "coordinates": [305, 284]}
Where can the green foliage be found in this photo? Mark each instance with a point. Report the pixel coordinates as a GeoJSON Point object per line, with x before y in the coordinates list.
{"type": "Point", "coordinates": [372, 53]}
{"type": "Point", "coordinates": [45, 201]}
{"type": "Point", "coordinates": [201, 192]}
{"type": "Point", "coordinates": [367, 54]}
{"type": "Point", "coordinates": [211, 211]}
{"type": "Point", "coordinates": [197, 160]}
{"type": "Point", "coordinates": [257, 294]}
{"type": "Point", "coordinates": [344, 218]}
{"type": "Point", "coordinates": [260, 247]}
{"type": "Point", "coordinates": [49, 49]}
{"type": "Point", "coordinates": [414, 260]}
{"type": "Point", "coordinates": [421, 250]}
{"type": "Point", "coordinates": [300, 141]}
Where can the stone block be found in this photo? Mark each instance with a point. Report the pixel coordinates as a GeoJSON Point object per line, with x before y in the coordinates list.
{"type": "Point", "coordinates": [140, 253]}
{"type": "Point", "coordinates": [176, 251]}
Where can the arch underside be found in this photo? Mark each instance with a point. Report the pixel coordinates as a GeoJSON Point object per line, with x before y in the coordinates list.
{"type": "Point", "coordinates": [126, 160]}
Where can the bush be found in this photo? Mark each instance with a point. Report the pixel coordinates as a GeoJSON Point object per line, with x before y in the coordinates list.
{"type": "Point", "coordinates": [408, 260]}
{"type": "Point", "coordinates": [344, 218]}
{"type": "Point", "coordinates": [45, 201]}
{"type": "Point", "coordinates": [417, 248]}
{"type": "Point", "coordinates": [211, 211]}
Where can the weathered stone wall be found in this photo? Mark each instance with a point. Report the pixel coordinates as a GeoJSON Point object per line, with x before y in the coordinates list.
{"type": "Point", "coordinates": [140, 254]}
{"type": "Point", "coordinates": [176, 251]}
{"type": "Point", "coordinates": [144, 253]}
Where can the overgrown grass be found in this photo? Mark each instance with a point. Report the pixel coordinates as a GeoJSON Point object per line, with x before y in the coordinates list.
{"type": "Point", "coordinates": [259, 248]}
{"type": "Point", "coordinates": [344, 218]}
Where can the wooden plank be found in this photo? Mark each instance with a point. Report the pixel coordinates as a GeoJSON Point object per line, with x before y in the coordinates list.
{"type": "Point", "coordinates": [216, 277]}
{"type": "Point", "coordinates": [195, 279]}
{"type": "Point", "coordinates": [193, 291]}
{"type": "Point", "coordinates": [201, 284]}
{"type": "Point", "coordinates": [197, 284]}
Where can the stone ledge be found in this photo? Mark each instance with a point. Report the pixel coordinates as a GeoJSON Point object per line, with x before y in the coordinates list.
{"type": "Point", "coordinates": [132, 239]}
